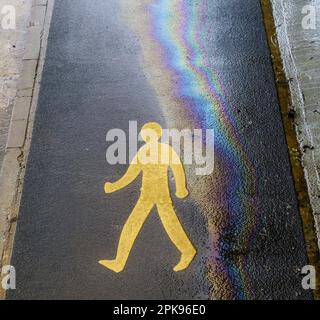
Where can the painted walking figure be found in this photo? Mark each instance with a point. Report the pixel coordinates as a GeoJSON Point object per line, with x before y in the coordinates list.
{"type": "Point", "coordinates": [153, 159]}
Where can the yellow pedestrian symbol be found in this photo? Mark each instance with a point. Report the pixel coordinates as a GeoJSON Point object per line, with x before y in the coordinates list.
{"type": "Point", "coordinates": [153, 159]}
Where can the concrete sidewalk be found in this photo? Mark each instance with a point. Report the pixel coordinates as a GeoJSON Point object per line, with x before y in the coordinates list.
{"type": "Point", "coordinates": [12, 49]}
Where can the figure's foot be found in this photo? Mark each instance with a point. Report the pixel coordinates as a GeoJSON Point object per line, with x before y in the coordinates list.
{"type": "Point", "coordinates": [185, 260]}
{"type": "Point", "coordinates": [112, 265]}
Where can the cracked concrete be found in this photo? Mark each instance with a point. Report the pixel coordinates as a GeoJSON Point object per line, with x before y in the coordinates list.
{"type": "Point", "coordinates": [12, 44]}
{"type": "Point", "coordinates": [300, 49]}
{"type": "Point", "coordinates": [25, 70]}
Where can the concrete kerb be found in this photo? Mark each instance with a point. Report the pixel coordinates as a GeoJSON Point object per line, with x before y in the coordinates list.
{"type": "Point", "coordinates": [21, 125]}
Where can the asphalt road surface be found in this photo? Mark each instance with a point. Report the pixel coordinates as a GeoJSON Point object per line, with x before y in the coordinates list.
{"type": "Point", "coordinates": [184, 64]}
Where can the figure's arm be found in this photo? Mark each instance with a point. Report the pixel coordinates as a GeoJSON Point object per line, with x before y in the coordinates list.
{"type": "Point", "coordinates": [132, 172]}
{"type": "Point", "coordinates": [179, 175]}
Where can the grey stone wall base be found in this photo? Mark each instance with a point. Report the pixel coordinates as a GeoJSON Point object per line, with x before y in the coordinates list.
{"type": "Point", "coordinates": [300, 50]}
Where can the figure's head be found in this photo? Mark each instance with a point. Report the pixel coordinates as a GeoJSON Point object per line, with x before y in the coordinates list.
{"type": "Point", "coordinates": [151, 130]}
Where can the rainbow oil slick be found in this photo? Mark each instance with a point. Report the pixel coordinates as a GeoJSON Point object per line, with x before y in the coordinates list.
{"type": "Point", "coordinates": [173, 49]}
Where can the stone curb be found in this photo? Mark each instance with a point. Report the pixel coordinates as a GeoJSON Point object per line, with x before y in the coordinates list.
{"type": "Point", "coordinates": [20, 132]}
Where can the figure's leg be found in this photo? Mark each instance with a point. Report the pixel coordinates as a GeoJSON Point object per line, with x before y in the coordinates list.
{"type": "Point", "coordinates": [177, 235]}
{"type": "Point", "coordinates": [128, 235]}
